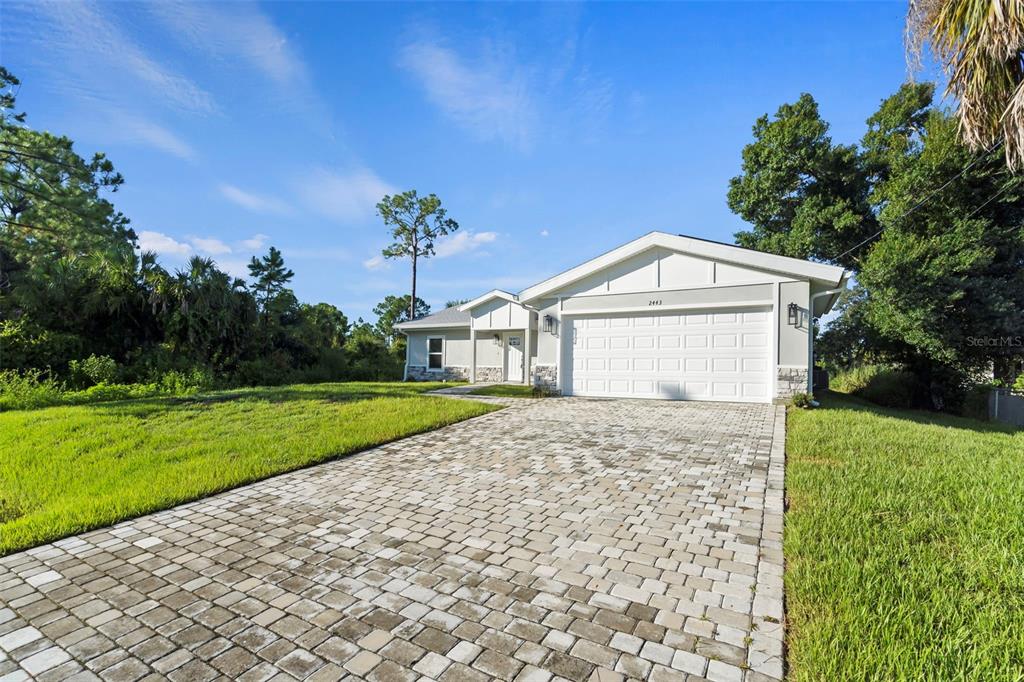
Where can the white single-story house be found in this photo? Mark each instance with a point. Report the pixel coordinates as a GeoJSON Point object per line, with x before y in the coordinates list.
{"type": "Point", "coordinates": [663, 316]}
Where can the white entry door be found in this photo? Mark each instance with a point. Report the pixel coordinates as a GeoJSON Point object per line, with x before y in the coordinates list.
{"type": "Point", "coordinates": [699, 355]}
{"type": "Point", "coordinates": [513, 357]}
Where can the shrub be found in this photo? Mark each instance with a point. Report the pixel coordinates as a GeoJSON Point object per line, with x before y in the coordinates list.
{"type": "Point", "coordinates": [32, 388]}
{"type": "Point", "coordinates": [893, 388]}
{"type": "Point", "coordinates": [802, 400]}
{"type": "Point", "coordinates": [26, 344]}
{"type": "Point", "coordinates": [1018, 385]}
{"type": "Point", "coordinates": [854, 379]}
{"type": "Point", "coordinates": [95, 369]}
{"type": "Point", "coordinates": [886, 386]}
{"type": "Point", "coordinates": [107, 392]}
{"type": "Point", "coordinates": [975, 403]}
{"type": "Point", "coordinates": [186, 382]}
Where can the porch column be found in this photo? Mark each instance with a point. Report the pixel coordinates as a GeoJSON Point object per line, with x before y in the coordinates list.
{"type": "Point", "coordinates": [526, 353]}
{"type": "Point", "coordinates": [472, 343]}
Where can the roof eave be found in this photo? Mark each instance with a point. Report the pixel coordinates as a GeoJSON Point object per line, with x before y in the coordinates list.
{"type": "Point", "coordinates": [792, 267]}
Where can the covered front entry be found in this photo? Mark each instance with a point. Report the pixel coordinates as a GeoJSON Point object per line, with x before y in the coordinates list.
{"type": "Point", "coordinates": [689, 355]}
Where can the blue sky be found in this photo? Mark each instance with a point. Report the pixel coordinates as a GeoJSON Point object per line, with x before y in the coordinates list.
{"type": "Point", "coordinates": [552, 132]}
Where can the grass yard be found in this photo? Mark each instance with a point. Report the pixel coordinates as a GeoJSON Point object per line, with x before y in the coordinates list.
{"type": "Point", "coordinates": [64, 470]}
{"type": "Point", "coordinates": [505, 391]}
{"type": "Point", "coordinates": [904, 545]}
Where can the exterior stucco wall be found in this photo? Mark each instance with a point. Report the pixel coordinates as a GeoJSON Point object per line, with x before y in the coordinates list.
{"type": "Point", "coordinates": [499, 314]}
{"type": "Point", "coordinates": [457, 350]}
{"type": "Point", "coordinates": [793, 338]}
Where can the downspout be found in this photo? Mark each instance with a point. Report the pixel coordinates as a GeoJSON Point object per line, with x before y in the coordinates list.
{"type": "Point", "coordinates": [810, 334]}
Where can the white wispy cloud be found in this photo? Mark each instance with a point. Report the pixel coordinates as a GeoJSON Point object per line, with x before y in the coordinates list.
{"type": "Point", "coordinates": [255, 242]}
{"type": "Point", "coordinates": [500, 90]}
{"type": "Point", "coordinates": [344, 196]}
{"type": "Point", "coordinates": [161, 244]}
{"type": "Point", "coordinates": [233, 259]}
{"type": "Point", "coordinates": [241, 33]}
{"type": "Point", "coordinates": [209, 245]}
{"type": "Point", "coordinates": [251, 201]}
{"type": "Point", "coordinates": [134, 129]}
{"type": "Point", "coordinates": [376, 263]}
{"type": "Point", "coordinates": [98, 60]}
{"type": "Point", "coordinates": [462, 242]}
{"type": "Point", "coordinates": [490, 95]}
{"type": "Point", "coordinates": [544, 233]}
{"type": "Point", "coordinates": [233, 30]}
{"type": "Point", "coordinates": [236, 267]}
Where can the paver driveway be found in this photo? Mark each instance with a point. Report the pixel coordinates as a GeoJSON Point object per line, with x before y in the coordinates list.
{"type": "Point", "coordinates": [565, 538]}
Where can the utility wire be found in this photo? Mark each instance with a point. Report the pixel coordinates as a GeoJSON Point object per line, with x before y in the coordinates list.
{"type": "Point", "coordinates": [990, 200]}
{"type": "Point", "coordinates": [925, 199]}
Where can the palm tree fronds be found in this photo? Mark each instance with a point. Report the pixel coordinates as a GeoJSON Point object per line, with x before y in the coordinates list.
{"type": "Point", "coordinates": [980, 44]}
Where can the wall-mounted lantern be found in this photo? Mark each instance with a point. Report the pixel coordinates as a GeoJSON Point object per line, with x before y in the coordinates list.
{"type": "Point", "coordinates": [794, 314]}
{"type": "Point", "coordinates": [497, 339]}
{"type": "Point", "coordinates": [549, 324]}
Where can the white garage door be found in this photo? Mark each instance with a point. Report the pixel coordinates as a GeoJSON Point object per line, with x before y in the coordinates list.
{"type": "Point", "coordinates": [685, 355]}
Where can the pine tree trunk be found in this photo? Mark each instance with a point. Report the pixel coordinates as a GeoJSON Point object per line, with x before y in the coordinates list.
{"type": "Point", "coordinates": [412, 300]}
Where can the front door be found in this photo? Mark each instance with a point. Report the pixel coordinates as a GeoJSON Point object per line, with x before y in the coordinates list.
{"type": "Point", "coordinates": [513, 357]}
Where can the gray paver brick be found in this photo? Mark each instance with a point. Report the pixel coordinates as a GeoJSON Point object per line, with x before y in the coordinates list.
{"type": "Point", "coordinates": [564, 538]}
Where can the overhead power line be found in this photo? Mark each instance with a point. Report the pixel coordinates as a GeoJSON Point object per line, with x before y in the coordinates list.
{"type": "Point", "coordinates": [923, 201]}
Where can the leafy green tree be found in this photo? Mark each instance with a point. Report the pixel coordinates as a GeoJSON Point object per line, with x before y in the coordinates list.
{"type": "Point", "coordinates": [50, 197]}
{"type": "Point", "coordinates": [415, 222]}
{"type": "Point", "coordinates": [326, 326]}
{"type": "Point", "coordinates": [804, 196]}
{"type": "Point", "coordinates": [949, 272]}
{"type": "Point", "coordinates": [395, 310]}
{"type": "Point", "coordinates": [939, 268]}
{"type": "Point", "coordinates": [369, 356]}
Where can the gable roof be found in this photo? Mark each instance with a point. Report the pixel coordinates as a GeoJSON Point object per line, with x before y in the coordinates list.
{"type": "Point", "coordinates": [489, 296]}
{"type": "Point", "coordinates": [449, 317]}
{"type": "Point", "coordinates": [829, 275]}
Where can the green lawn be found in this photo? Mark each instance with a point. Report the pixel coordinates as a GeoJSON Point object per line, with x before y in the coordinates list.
{"type": "Point", "coordinates": [64, 470]}
{"type": "Point", "coordinates": [505, 391]}
{"type": "Point", "coordinates": [904, 545]}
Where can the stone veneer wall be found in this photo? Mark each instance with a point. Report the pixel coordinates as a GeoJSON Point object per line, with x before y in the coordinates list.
{"type": "Point", "coordinates": [489, 374]}
{"type": "Point", "coordinates": [546, 377]}
{"type": "Point", "coordinates": [450, 373]}
{"type": "Point", "coordinates": [791, 380]}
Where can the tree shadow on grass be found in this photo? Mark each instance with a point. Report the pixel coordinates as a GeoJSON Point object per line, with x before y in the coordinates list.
{"type": "Point", "coordinates": [143, 408]}
{"type": "Point", "coordinates": [841, 401]}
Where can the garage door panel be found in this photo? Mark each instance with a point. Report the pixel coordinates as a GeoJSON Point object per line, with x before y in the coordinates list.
{"type": "Point", "coordinates": [724, 364]}
{"type": "Point", "coordinates": [755, 340]}
{"type": "Point", "coordinates": [696, 340]}
{"type": "Point", "coordinates": [724, 341]}
{"type": "Point", "coordinates": [692, 356]}
{"type": "Point", "coordinates": [668, 341]}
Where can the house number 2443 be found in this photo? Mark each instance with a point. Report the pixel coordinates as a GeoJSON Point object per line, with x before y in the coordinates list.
{"type": "Point", "coordinates": [654, 301]}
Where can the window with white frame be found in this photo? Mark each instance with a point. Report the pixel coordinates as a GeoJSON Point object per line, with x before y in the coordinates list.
{"type": "Point", "coordinates": [435, 353]}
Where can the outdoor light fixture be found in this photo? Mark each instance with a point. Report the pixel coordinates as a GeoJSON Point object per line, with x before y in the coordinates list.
{"type": "Point", "coordinates": [794, 314]}
{"type": "Point", "coordinates": [497, 339]}
{"type": "Point", "coordinates": [549, 323]}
